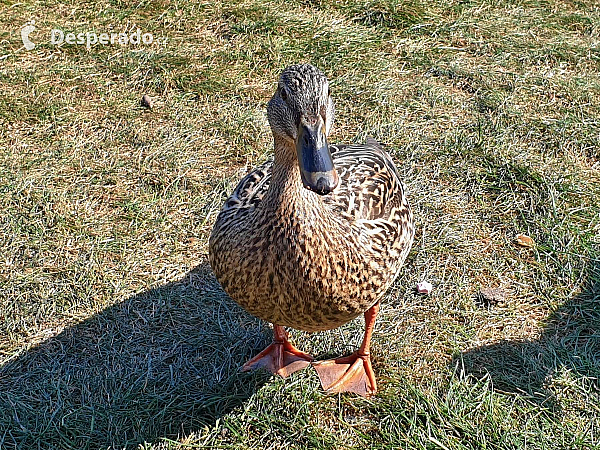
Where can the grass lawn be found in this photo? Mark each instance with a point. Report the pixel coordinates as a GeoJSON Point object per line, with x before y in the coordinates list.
{"type": "Point", "coordinates": [113, 330]}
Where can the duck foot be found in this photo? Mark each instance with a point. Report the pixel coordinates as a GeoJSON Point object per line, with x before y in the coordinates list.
{"type": "Point", "coordinates": [352, 373]}
{"type": "Point", "coordinates": [280, 358]}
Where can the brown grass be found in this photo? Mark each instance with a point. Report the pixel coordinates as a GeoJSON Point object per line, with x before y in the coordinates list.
{"type": "Point", "coordinates": [113, 331]}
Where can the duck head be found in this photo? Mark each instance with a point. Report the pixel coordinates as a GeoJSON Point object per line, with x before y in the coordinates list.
{"type": "Point", "coordinates": [301, 113]}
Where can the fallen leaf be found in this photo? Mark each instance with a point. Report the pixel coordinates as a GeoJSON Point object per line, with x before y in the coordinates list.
{"type": "Point", "coordinates": [492, 296]}
{"type": "Point", "coordinates": [525, 241]}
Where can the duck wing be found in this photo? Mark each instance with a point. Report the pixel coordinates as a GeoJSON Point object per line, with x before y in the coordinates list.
{"type": "Point", "coordinates": [370, 187]}
{"type": "Point", "coordinates": [251, 189]}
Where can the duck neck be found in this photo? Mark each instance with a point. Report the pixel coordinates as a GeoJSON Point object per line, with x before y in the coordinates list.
{"type": "Point", "coordinates": [287, 195]}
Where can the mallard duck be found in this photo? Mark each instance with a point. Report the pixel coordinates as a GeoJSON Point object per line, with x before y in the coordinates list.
{"type": "Point", "coordinates": [313, 238]}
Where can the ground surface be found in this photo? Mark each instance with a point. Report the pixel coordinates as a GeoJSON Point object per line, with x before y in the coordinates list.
{"type": "Point", "coordinates": [113, 331]}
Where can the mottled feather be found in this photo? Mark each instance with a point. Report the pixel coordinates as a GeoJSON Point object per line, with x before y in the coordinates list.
{"type": "Point", "coordinates": [326, 259]}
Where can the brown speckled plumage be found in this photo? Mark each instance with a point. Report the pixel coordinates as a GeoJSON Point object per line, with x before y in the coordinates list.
{"type": "Point", "coordinates": [311, 262]}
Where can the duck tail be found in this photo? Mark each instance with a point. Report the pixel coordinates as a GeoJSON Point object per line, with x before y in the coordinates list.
{"type": "Point", "coordinates": [373, 142]}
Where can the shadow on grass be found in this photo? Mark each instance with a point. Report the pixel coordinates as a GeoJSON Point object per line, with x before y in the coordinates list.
{"type": "Point", "coordinates": [570, 342]}
{"type": "Point", "coordinates": [160, 364]}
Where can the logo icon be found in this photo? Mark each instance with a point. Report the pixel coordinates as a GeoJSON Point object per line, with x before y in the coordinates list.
{"type": "Point", "coordinates": [25, 31]}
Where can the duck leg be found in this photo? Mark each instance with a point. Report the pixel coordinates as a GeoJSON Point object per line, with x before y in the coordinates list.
{"type": "Point", "coordinates": [352, 373]}
{"type": "Point", "coordinates": [281, 357]}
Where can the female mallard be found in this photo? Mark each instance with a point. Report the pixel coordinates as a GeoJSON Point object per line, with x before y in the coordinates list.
{"type": "Point", "coordinates": [315, 237]}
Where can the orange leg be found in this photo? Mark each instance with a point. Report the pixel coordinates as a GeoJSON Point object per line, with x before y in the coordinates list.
{"type": "Point", "coordinates": [352, 373]}
{"type": "Point", "coordinates": [281, 357]}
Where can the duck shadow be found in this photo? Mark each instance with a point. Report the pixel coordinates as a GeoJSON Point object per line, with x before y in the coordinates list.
{"type": "Point", "coordinates": [570, 342]}
{"type": "Point", "coordinates": [163, 363]}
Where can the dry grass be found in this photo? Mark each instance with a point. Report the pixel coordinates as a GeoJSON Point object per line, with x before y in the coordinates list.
{"type": "Point", "coordinates": [113, 331]}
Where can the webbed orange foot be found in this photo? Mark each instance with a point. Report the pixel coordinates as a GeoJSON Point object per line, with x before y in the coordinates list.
{"type": "Point", "coordinates": [352, 373]}
{"type": "Point", "coordinates": [281, 357]}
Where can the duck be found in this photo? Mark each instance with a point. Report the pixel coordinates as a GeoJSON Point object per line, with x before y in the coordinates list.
{"type": "Point", "coordinates": [314, 237]}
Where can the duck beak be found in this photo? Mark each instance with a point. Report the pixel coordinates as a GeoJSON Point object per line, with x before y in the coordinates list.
{"type": "Point", "coordinates": [316, 165]}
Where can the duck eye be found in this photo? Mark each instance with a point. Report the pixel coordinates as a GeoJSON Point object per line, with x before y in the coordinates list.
{"type": "Point", "coordinates": [283, 93]}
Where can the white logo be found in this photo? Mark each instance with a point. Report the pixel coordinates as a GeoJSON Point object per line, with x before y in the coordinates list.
{"type": "Point", "coordinates": [90, 38]}
{"type": "Point", "coordinates": [25, 31]}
